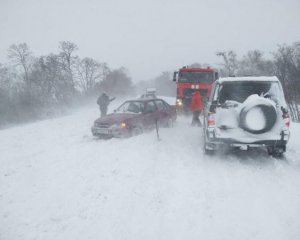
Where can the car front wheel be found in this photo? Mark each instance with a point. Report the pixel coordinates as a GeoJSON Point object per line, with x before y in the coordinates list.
{"type": "Point", "coordinates": [136, 131]}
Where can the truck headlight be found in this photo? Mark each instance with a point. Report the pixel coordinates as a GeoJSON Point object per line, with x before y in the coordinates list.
{"type": "Point", "coordinates": [179, 102]}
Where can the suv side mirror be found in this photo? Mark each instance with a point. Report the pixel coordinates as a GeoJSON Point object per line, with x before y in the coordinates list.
{"type": "Point", "coordinates": [175, 76]}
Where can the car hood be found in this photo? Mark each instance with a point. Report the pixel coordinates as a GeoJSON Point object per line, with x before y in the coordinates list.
{"type": "Point", "coordinates": [114, 118]}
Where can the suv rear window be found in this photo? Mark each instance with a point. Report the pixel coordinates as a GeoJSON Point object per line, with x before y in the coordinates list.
{"type": "Point", "coordinates": [240, 91]}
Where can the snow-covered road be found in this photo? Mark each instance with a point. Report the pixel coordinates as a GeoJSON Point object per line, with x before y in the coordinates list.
{"type": "Point", "coordinates": [58, 182]}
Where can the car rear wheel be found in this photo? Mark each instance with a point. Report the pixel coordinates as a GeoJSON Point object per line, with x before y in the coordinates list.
{"type": "Point", "coordinates": [169, 123]}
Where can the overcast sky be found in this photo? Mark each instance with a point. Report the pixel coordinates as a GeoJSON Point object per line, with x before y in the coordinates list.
{"type": "Point", "coordinates": [149, 37]}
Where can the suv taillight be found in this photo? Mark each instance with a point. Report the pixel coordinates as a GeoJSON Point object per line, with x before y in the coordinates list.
{"type": "Point", "coordinates": [286, 119]}
{"type": "Point", "coordinates": [211, 119]}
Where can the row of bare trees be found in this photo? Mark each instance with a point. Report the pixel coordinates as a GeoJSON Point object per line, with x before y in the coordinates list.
{"type": "Point", "coordinates": [31, 87]}
{"type": "Point", "coordinates": [283, 63]}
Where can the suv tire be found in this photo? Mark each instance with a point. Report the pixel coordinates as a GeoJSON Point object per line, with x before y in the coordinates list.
{"type": "Point", "coordinates": [269, 112]}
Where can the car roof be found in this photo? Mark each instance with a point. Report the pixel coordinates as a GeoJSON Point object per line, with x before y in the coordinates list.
{"type": "Point", "coordinates": [144, 100]}
{"type": "Point", "coordinates": [248, 79]}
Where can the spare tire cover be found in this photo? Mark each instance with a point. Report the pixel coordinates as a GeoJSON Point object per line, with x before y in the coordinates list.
{"type": "Point", "coordinates": [258, 117]}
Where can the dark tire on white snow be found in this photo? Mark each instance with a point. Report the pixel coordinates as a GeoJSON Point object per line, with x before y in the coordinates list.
{"type": "Point", "coordinates": [135, 131]}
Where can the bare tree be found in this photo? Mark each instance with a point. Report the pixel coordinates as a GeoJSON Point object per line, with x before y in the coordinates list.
{"type": "Point", "coordinates": [67, 50]}
{"type": "Point", "coordinates": [287, 62]}
{"type": "Point", "coordinates": [50, 81]}
{"type": "Point", "coordinates": [117, 82]}
{"type": "Point", "coordinates": [89, 73]}
{"type": "Point", "coordinates": [230, 62]}
{"type": "Point", "coordinates": [253, 63]}
{"type": "Point", "coordinates": [21, 56]}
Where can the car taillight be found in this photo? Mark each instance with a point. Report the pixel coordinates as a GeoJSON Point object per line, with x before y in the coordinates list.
{"type": "Point", "coordinates": [286, 119]}
{"type": "Point", "coordinates": [211, 119]}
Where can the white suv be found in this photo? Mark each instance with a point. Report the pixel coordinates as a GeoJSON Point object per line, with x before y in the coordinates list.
{"type": "Point", "coordinates": [245, 112]}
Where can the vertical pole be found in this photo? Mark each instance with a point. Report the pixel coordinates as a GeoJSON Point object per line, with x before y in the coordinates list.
{"type": "Point", "coordinates": [157, 134]}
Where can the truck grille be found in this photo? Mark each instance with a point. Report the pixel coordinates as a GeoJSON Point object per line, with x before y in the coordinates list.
{"type": "Point", "coordinates": [187, 93]}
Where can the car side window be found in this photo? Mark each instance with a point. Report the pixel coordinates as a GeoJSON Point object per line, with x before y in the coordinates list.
{"type": "Point", "coordinates": [160, 105]}
{"type": "Point", "coordinates": [134, 107]}
{"type": "Point", "coordinates": [166, 105]}
{"type": "Point", "coordinates": [150, 107]}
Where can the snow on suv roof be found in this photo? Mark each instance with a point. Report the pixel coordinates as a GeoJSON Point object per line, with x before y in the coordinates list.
{"type": "Point", "coordinates": [237, 79]}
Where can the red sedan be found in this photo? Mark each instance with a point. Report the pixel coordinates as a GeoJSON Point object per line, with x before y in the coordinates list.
{"type": "Point", "coordinates": [133, 117]}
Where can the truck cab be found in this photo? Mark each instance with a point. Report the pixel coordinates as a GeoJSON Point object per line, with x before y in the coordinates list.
{"type": "Point", "coordinates": [188, 80]}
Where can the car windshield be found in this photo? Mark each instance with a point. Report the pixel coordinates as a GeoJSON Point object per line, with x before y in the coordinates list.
{"type": "Point", "coordinates": [131, 107]}
{"type": "Point", "coordinates": [240, 91]}
{"type": "Point", "coordinates": [196, 77]}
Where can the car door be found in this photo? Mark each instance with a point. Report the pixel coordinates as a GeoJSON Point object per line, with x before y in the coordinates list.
{"type": "Point", "coordinates": [150, 116]}
{"type": "Point", "coordinates": [162, 112]}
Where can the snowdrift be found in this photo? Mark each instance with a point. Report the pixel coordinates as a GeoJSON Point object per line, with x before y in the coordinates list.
{"type": "Point", "coordinates": [58, 182]}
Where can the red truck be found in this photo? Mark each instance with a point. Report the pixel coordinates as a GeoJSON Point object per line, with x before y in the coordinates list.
{"type": "Point", "coordinates": [189, 80]}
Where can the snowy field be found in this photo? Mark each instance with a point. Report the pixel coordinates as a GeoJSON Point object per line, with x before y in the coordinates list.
{"type": "Point", "coordinates": [59, 183]}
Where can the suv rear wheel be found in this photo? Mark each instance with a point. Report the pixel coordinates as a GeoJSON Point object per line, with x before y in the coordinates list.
{"type": "Point", "coordinates": [207, 150]}
{"type": "Point", "coordinates": [276, 151]}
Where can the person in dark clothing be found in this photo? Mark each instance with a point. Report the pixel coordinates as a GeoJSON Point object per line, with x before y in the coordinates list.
{"type": "Point", "coordinates": [103, 101]}
{"type": "Point", "coordinates": [196, 107]}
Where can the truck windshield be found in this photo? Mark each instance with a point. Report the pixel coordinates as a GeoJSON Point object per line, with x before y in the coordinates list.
{"type": "Point", "coordinates": [240, 91]}
{"type": "Point", "coordinates": [196, 77]}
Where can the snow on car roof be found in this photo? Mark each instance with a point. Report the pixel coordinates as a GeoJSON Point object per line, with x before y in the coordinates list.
{"type": "Point", "coordinates": [143, 99]}
{"type": "Point", "coordinates": [250, 78]}
{"type": "Point", "coordinates": [151, 90]}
